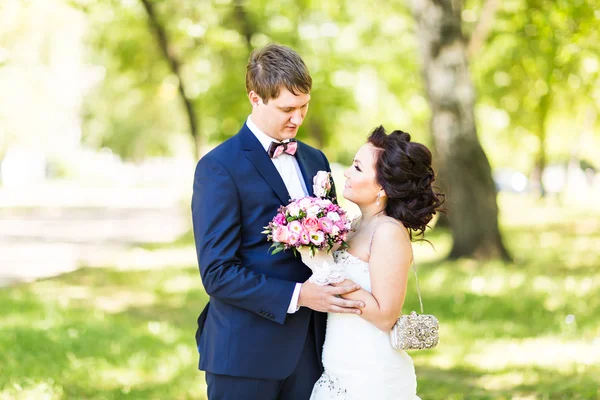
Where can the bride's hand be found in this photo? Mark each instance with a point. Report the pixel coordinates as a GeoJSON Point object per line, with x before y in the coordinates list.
{"type": "Point", "coordinates": [345, 282]}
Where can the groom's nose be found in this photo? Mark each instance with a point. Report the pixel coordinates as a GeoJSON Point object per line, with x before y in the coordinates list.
{"type": "Point", "coordinates": [297, 118]}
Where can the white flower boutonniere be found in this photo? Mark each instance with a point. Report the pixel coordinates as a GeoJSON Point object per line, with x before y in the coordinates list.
{"type": "Point", "coordinates": [322, 184]}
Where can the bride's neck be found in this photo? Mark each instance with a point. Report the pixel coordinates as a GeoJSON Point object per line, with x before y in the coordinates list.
{"type": "Point", "coordinates": [370, 213]}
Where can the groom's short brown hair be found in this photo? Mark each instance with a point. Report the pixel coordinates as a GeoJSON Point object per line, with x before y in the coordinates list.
{"type": "Point", "coordinates": [275, 66]}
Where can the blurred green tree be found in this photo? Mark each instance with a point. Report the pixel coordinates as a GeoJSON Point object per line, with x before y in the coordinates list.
{"type": "Point", "coordinates": [541, 62]}
{"type": "Point", "coordinates": [362, 63]}
{"type": "Point", "coordinates": [462, 164]}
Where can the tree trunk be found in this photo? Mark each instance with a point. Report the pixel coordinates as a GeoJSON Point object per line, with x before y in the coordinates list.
{"type": "Point", "coordinates": [175, 65]}
{"type": "Point", "coordinates": [540, 160]}
{"type": "Point", "coordinates": [542, 117]}
{"type": "Point", "coordinates": [462, 163]}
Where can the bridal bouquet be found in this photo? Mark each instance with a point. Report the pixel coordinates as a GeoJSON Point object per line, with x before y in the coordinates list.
{"type": "Point", "coordinates": [310, 224]}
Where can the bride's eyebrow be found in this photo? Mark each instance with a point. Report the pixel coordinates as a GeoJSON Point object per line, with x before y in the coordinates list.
{"type": "Point", "coordinates": [357, 161]}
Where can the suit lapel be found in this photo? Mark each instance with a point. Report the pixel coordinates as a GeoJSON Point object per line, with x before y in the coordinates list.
{"type": "Point", "coordinates": [261, 161]}
{"type": "Point", "coordinates": [306, 168]}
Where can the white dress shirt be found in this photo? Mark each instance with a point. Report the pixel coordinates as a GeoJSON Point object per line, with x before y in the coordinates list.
{"type": "Point", "coordinates": [290, 173]}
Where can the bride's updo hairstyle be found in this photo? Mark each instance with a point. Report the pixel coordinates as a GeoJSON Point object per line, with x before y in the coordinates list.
{"type": "Point", "coordinates": [403, 169]}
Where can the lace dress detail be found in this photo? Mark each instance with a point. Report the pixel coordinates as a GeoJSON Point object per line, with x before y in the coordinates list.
{"type": "Point", "coordinates": [331, 386]}
{"type": "Point", "coordinates": [327, 273]}
{"type": "Point", "coordinates": [342, 257]}
{"type": "Point", "coordinates": [360, 363]}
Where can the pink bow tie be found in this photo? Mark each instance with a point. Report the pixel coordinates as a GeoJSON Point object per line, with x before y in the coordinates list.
{"type": "Point", "coordinates": [289, 146]}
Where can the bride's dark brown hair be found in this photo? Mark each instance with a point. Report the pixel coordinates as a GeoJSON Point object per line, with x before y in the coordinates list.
{"type": "Point", "coordinates": [403, 169]}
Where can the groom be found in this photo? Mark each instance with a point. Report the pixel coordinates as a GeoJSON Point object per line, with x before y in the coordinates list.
{"type": "Point", "coordinates": [261, 334]}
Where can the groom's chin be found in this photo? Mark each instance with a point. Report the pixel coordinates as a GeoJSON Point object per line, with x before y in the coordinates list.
{"type": "Point", "coordinates": [289, 133]}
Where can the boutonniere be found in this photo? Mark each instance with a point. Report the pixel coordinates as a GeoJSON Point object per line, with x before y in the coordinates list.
{"type": "Point", "coordinates": [322, 183]}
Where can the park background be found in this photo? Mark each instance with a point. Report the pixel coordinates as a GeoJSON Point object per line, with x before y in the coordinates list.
{"type": "Point", "coordinates": [106, 105]}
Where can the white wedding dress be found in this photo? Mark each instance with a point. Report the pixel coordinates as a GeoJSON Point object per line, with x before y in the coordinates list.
{"type": "Point", "coordinates": [360, 363]}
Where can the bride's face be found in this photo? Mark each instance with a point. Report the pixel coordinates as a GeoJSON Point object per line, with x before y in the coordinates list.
{"type": "Point", "coordinates": [361, 185]}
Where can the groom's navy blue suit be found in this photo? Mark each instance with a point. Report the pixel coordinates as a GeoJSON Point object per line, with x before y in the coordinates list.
{"type": "Point", "coordinates": [247, 341]}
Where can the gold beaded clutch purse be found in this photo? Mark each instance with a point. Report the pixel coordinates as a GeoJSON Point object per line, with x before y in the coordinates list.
{"type": "Point", "coordinates": [415, 331]}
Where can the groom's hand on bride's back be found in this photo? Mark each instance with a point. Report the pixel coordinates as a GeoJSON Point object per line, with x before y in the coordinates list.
{"type": "Point", "coordinates": [326, 298]}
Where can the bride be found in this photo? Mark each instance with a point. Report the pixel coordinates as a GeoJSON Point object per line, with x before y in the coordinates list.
{"type": "Point", "coordinates": [391, 182]}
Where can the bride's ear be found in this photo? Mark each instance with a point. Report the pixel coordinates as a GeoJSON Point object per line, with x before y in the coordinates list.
{"type": "Point", "coordinates": [382, 193]}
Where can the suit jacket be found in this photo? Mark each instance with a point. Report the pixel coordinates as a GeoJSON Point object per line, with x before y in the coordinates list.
{"type": "Point", "coordinates": [245, 330]}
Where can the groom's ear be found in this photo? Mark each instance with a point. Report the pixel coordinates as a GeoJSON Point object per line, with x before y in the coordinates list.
{"type": "Point", "coordinates": [254, 98]}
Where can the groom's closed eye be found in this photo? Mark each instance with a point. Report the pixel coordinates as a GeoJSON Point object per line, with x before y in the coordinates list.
{"type": "Point", "coordinates": [290, 109]}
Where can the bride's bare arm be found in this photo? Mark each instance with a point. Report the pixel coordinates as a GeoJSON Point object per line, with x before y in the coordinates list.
{"type": "Point", "coordinates": [391, 255]}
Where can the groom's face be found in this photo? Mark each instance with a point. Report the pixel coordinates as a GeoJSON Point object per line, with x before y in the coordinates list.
{"type": "Point", "coordinates": [281, 117]}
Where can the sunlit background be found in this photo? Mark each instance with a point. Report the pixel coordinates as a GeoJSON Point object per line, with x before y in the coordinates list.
{"type": "Point", "coordinates": [106, 105]}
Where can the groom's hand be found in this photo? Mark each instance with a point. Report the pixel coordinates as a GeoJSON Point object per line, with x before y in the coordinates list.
{"type": "Point", "coordinates": [326, 298]}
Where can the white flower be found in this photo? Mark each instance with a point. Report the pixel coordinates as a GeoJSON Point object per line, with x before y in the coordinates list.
{"type": "Point", "coordinates": [324, 203]}
{"type": "Point", "coordinates": [333, 216]}
{"type": "Point", "coordinates": [293, 209]}
{"type": "Point", "coordinates": [317, 237]}
{"type": "Point", "coordinates": [313, 211]}
{"type": "Point", "coordinates": [322, 183]}
{"type": "Point", "coordinates": [319, 191]}
{"type": "Point", "coordinates": [335, 230]}
{"type": "Point", "coordinates": [305, 203]}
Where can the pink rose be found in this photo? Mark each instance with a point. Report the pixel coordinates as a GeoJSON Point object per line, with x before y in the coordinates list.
{"type": "Point", "coordinates": [311, 224]}
{"type": "Point", "coordinates": [326, 224]}
{"type": "Point", "coordinates": [280, 234]}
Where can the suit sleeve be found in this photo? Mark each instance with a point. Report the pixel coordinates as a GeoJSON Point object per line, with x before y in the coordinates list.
{"type": "Point", "coordinates": [216, 216]}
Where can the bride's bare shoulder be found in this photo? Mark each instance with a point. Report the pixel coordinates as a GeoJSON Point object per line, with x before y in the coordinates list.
{"type": "Point", "coordinates": [389, 230]}
{"type": "Point", "coordinates": [385, 219]}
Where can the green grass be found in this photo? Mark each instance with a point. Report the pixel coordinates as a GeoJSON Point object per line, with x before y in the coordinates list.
{"type": "Point", "coordinates": [525, 330]}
